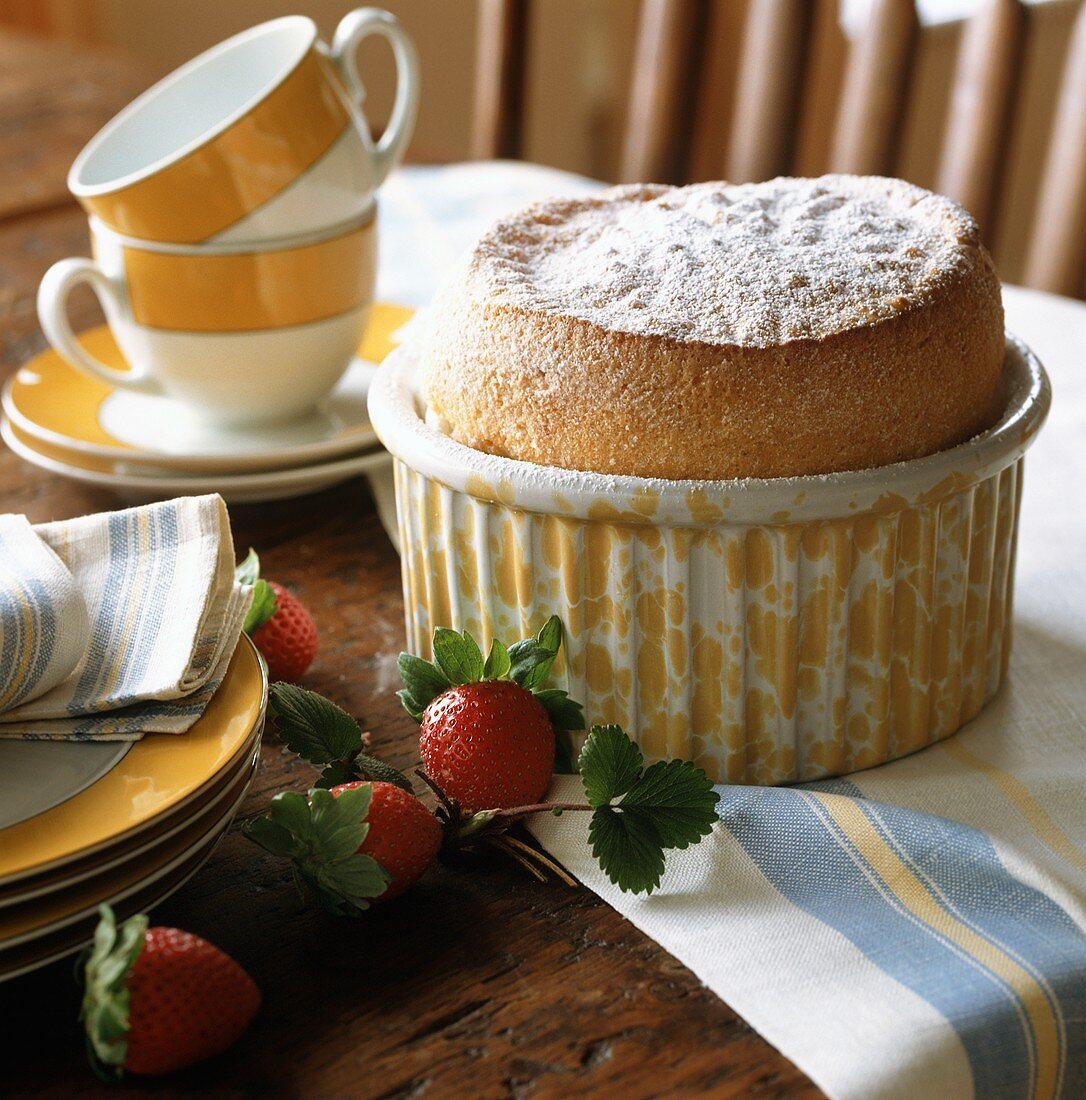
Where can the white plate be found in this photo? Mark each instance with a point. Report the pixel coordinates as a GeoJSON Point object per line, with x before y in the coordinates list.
{"type": "Point", "coordinates": [235, 488]}
{"type": "Point", "coordinates": [35, 776]}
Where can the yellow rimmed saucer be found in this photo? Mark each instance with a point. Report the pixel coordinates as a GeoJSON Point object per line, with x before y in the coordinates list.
{"type": "Point", "coordinates": [54, 404]}
{"type": "Point", "coordinates": [163, 773]}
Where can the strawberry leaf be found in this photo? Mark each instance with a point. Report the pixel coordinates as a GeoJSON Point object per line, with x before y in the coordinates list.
{"type": "Point", "coordinates": [533, 657]}
{"type": "Point", "coordinates": [345, 888]}
{"type": "Point", "coordinates": [339, 821]}
{"type": "Point", "coordinates": [272, 837]}
{"type": "Point", "coordinates": [458, 656]}
{"type": "Point", "coordinates": [248, 571]}
{"type": "Point", "coordinates": [335, 773]}
{"type": "Point", "coordinates": [565, 713]}
{"type": "Point", "coordinates": [680, 800]}
{"type": "Point", "coordinates": [610, 763]}
{"type": "Point", "coordinates": [321, 834]}
{"type": "Point", "coordinates": [497, 662]}
{"type": "Point", "coordinates": [627, 848]}
{"type": "Point", "coordinates": [423, 683]}
{"type": "Point", "coordinates": [290, 812]}
{"type": "Point", "coordinates": [671, 805]}
{"type": "Point", "coordinates": [312, 726]}
{"type": "Point", "coordinates": [370, 767]}
{"type": "Point", "coordinates": [106, 1000]}
{"type": "Point", "coordinates": [263, 607]}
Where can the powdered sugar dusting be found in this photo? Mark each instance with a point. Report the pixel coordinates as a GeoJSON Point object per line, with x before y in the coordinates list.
{"type": "Point", "coordinates": [752, 264]}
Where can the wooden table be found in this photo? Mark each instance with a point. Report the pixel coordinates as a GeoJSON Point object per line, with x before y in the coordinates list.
{"type": "Point", "coordinates": [480, 984]}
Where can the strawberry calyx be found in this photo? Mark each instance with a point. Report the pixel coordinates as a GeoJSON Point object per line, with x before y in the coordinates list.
{"type": "Point", "coordinates": [264, 604]}
{"type": "Point", "coordinates": [320, 833]}
{"type": "Point", "coordinates": [106, 1000]}
{"type": "Point", "coordinates": [458, 660]}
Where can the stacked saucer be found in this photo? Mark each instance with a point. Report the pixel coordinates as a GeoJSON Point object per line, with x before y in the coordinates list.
{"type": "Point", "coordinates": [124, 823]}
{"type": "Point", "coordinates": [147, 446]}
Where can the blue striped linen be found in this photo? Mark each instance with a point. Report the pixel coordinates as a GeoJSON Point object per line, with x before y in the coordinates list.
{"type": "Point", "coordinates": [156, 618]}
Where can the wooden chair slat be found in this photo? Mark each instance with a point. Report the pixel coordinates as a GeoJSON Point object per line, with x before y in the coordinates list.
{"type": "Point", "coordinates": [714, 109]}
{"type": "Point", "coordinates": [875, 86]}
{"type": "Point", "coordinates": [665, 65]}
{"type": "Point", "coordinates": [1057, 253]}
{"type": "Point", "coordinates": [768, 89]}
{"type": "Point", "coordinates": [821, 90]}
{"type": "Point", "coordinates": [500, 67]}
{"type": "Point", "coordinates": [981, 107]}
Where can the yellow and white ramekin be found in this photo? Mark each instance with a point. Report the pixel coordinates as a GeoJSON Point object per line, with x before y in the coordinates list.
{"type": "Point", "coordinates": [239, 333]}
{"type": "Point", "coordinates": [261, 136]}
{"type": "Point", "coordinates": [769, 630]}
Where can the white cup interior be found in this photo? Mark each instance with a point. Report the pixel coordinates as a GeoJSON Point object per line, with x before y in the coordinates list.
{"type": "Point", "coordinates": [191, 105]}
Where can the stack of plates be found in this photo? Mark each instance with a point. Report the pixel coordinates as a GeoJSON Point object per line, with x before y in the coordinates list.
{"type": "Point", "coordinates": [140, 446]}
{"type": "Point", "coordinates": [119, 822]}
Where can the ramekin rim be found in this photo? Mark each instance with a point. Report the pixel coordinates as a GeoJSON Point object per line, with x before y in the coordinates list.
{"type": "Point", "coordinates": [704, 503]}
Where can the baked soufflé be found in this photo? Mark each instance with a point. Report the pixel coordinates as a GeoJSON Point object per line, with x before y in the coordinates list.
{"type": "Point", "coordinates": [796, 326]}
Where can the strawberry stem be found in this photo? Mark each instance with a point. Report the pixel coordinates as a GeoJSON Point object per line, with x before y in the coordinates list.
{"type": "Point", "coordinates": [515, 812]}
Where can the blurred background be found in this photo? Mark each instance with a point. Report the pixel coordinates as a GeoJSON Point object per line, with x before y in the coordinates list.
{"type": "Point", "coordinates": [680, 90]}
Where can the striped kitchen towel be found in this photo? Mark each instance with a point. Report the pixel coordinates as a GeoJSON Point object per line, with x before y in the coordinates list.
{"type": "Point", "coordinates": [119, 624]}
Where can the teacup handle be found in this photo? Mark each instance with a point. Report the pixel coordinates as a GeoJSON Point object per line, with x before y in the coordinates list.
{"type": "Point", "coordinates": [57, 284]}
{"type": "Point", "coordinates": [355, 26]}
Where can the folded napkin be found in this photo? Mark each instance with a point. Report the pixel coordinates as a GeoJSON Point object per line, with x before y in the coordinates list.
{"type": "Point", "coordinates": [116, 625]}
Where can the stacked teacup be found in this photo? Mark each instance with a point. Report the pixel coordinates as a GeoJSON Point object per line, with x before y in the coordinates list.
{"type": "Point", "coordinates": [233, 225]}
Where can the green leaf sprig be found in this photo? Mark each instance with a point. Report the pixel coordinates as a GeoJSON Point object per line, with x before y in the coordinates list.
{"type": "Point", "coordinates": [320, 834]}
{"type": "Point", "coordinates": [324, 734]}
{"type": "Point", "coordinates": [459, 660]}
{"type": "Point", "coordinates": [671, 804]}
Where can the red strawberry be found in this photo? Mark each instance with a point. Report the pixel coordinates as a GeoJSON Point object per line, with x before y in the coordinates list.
{"type": "Point", "coordinates": [288, 640]}
{"type": "Point", "coordinates": [490, 729]}
{"type": "Point", "coordinates": [404, 837]}
{"type": "Point", "coordinates": [489, 745]}
{"type": "Point", "coordinates": [158, 999]}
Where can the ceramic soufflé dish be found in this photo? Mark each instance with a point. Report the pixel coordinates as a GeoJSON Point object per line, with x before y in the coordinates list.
{"type": "Point", "coordinates": [759, 446]}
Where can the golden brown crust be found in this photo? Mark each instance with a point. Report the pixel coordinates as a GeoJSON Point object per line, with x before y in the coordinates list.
{"type": "Point", "coordinates": [537, 384]}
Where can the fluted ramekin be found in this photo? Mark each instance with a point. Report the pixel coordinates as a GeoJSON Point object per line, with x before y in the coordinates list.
{"type": "Point", "coordinates": [770, 630]}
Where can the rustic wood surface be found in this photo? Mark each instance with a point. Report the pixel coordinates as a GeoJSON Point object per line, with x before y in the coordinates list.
{"type": "Point", "coordinates": [481, 984]}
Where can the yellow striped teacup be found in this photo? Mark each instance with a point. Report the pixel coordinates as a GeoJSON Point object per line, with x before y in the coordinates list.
{"type": "Point", "coordinates": [240, 333]}
{"type": "Point", "coordinates": [260, 137]}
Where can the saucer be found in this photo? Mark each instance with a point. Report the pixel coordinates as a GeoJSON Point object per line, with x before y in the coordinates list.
{"type": "Point", "coordinates": [53, 404]}
{"type": "Point", "coordinates": [138, 483]}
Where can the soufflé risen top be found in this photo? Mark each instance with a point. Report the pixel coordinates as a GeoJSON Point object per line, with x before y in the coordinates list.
{"type": "Point", "coordinates": [797, 326]}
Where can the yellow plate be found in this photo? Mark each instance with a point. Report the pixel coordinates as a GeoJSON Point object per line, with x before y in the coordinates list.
{"type": "Point", "coordinates": [58, 405]}
{"type": "Point", "coordinates": [158, 774]}
{"type": "Point", "coordinates": [21, 924]}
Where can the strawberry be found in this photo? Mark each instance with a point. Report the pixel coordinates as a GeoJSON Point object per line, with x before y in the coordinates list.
{"type": "Point", "coordinates": [489, 729]}
{"type": "Point", "coordinates": [351, 845]}
{"type": "Point", "coordinates": [158, 999]}
{"type": "Point", "coordinates": [489, 745]}
{"type": "Point", "coordinates": [288, 640]}
{"type": "Point", "coordinates": [404, 837]}
{"type": "Point", "coordinates": [278, 624]}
